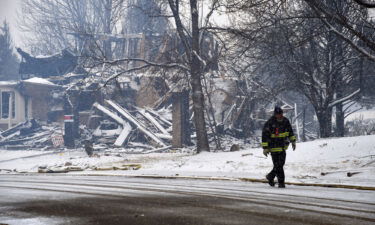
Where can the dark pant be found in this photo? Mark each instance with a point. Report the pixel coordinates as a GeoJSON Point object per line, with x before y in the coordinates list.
{"type": "Point", "coordinates": [278, 159]}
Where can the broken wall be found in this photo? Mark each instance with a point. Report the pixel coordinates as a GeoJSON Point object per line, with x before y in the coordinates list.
{"type": "Point", "coordinates": [40, 98]}
{"type": "Point", "coordinates": [151, 90]}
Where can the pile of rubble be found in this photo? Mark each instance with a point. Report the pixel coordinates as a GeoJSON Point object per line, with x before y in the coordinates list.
{"type": "Point", "coordinates": [139, 128]}
{"type": "Point", "coordinates": [133, 113]}
{"type": "Point", "coordinates": [32, 135]}
{"type": "Point", "coordinates": [143, 130]}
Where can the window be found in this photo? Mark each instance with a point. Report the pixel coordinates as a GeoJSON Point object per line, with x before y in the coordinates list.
{"type": "Point", "coordinates": [8, 105]}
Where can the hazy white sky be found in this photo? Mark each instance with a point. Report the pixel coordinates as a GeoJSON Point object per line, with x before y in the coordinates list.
{"type": "Point", "coordinates": [8, 11]}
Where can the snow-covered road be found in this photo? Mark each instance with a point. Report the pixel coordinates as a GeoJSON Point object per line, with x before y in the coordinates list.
{"type": "Point", "coordinates": [67, 199]}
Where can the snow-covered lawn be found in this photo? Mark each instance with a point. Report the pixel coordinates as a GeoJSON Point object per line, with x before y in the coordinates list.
{"type": "Point", "coordinates": [320, 161]}
{"type": "Point", "coordinates": [6, 155]}
{"type": "Point", "coordinates": [32, 160]}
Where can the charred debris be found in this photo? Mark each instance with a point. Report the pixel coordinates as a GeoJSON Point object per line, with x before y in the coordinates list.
{"type": "Point", "coordinates": [68, 107]}
{"type": "Point", "coordinates": [140, 114]}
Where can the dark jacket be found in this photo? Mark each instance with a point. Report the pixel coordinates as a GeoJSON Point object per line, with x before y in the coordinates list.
{"type": "Point", "coordinates": [276, 135]}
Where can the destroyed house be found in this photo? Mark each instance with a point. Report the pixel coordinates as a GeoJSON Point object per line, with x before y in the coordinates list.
{"type": "Point", "coordinates": [56, 65]}
{"type": "Point", "coordinates": [23, 100]}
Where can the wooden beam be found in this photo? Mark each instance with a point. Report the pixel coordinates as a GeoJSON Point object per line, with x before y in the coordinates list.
{"type": "Point", "coordinates": [123, 135]}
{"type": "Point", "coordinates": [109, 113]}
{"type": "Point", "coordinates": [136, 123]}
{"type": "Point", "coordinates": [150, 118]}
{"type": "Point", "coordinates": [155, 114]}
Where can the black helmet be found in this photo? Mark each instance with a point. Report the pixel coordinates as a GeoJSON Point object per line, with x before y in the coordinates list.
{"type": "Point", "coordinates": [278, 110]}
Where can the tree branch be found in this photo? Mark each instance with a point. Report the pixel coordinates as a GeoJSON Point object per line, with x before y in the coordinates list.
{"type": "Point", "coordinates": [174, 6]}
{"type": "Point", "coordinates": [365, 3]}
{"type": "Point", "coordinates": [343, 99]}
{"type": "Point", "coordinates": [154, 64]}
{"type": "Point", "coordinates": [349, 41]}
{"type": "Point", "coordinates": [124, 72]}
{"type": "Point", "coordinates": [343, 21]}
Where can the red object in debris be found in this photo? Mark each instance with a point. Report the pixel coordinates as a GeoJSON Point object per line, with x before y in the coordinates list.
{"type": "Point", "coordinates": [68, 118]}
{"type": "Point", "coordinates": [58, 140]}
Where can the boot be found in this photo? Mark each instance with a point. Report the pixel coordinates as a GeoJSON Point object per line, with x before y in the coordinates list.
{"type": "Point", "coordinates": [282, 185]}
{"type": "Point", "coordinates": [270, 181]}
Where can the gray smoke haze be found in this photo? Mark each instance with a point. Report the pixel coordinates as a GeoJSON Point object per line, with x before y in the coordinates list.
{"type": "Point", "coordinates": [8, 11]}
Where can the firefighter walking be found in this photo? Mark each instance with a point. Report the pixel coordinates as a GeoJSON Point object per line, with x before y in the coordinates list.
{"type": "Point", "coordinates": [276, 135]}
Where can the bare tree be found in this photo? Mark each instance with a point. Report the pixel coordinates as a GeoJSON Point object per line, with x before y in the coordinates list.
{"type": "Point", "coordinates": [358, 25]}
{"type": "Point", "coordinates": [54, 25]}
{"type": "Point", "coordinates": [190, 36]}
{"type": "Point", "coordinates": [298, 51]}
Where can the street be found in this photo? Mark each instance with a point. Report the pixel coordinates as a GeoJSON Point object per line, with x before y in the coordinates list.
{"type": "Point", "coordinates": [73, 199]}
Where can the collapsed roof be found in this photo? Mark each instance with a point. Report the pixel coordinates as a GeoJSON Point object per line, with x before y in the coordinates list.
{"type": "Point", "coordinates": [55, 65]}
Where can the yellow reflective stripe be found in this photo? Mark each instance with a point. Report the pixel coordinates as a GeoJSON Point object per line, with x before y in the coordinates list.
{"type": "Point", "coordinates": [277, 149]}
{"type": "Point", "coordinates": [281, 135]}
{"type": "Point", "coordinates": [292, 138]}
{"type": "Point", "coordinates": [264, 144]}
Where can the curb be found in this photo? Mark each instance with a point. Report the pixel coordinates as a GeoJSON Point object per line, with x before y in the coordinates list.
{"type": "Point", "coordinates": [253, 180]}
{"type": "Point", "coordinates": [365, 188]}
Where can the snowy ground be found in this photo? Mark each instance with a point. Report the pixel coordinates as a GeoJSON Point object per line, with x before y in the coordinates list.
{"type": "Point", "coordinates": [320, 161]}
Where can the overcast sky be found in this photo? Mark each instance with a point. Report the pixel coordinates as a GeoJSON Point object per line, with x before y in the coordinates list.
{"type": "Point", "coordinates": [8, 11]}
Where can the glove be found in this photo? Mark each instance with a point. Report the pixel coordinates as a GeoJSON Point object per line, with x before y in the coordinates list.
{"type": "Point", "coordinates": [266, 151]}
{"type": "Point", "coordinates": [294, 145]}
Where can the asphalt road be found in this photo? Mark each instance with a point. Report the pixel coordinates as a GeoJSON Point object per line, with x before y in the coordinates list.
{"type": "Point", "coordinates": [66, 199]}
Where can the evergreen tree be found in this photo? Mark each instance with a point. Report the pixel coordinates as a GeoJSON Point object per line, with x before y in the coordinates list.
{"type": "Point", "coordinates": [8, 60]}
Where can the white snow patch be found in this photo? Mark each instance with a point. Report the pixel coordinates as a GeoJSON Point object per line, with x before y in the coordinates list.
{"type": "Point", "coordinates": [38, 80]}
{"type": "Point", "coordinates": [28, 163]}
{"type": "Point", "coordinates": [8, 155]}
{"type": "Point", "coordinates": [8, 83]}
